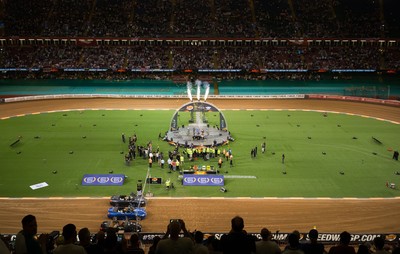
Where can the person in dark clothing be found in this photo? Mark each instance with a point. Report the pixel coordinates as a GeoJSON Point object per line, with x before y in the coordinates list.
{"type": "Point", "coordinates": [135, 245]}
{"type": "Point", "coordinates": [396, 155]}
{"type": "Point", "coordinates": [152, 249]}
{"type": "Point", "coordinates": [237, 241]}
{"type": "Point", "coordinates": [85, 242]}
{"type": "Point", "coordinates": [363, 249]}
{"type": "Point", "coordinates": [26, 240]}
{"type": "Point", "coordinates": [343, 247]}
{"type": "Point", "coordinates": [313, 247]}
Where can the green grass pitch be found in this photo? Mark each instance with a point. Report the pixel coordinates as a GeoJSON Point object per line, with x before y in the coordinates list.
{"type": "Point", "coordinates": [317, 149]}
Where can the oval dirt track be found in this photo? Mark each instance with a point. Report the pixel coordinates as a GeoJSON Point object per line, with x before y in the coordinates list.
{"type": "Point", "coordinates": [211, 215]}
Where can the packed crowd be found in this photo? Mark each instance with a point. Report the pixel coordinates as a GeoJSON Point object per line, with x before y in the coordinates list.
{"type": "Point", "coordinates": [202, 57]}
{"type": "Point", "coordinates": [201, 19]}
{"type": "Point", "coordinates": [217, 18]}
{"type": "Point", "coordinates": [178, 239]}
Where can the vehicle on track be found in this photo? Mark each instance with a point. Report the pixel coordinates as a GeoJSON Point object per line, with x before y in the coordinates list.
{"type": "Point", "coordinates": [121, 225]}
{"type": "Point", "coordinates": [128, 200]}
{"type": "Point", "coordinates": [130, 213]}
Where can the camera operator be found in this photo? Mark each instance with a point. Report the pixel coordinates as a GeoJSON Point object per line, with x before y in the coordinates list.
{"type": "Point", "coordinates": [172, 243]}
{"type": "Point", "coordinates": [27, 241]}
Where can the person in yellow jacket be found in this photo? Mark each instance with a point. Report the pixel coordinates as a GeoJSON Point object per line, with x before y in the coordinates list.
{"type": "Point", "coordinates": [220, 162]}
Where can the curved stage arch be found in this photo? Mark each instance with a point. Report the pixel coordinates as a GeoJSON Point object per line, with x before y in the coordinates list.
{"type": "Point", "coordinates": [197, 131]}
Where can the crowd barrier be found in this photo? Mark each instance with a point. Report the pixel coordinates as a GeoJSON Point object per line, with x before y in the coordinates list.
{"type": "Point", "coordinates": [130, 96]}
{"type": "Point", "coordinates": [354, 98]}
{"type": "Point", "coordinates": [325, 238]}
{"type": "Point", "coordinates": [280, 237]}
{"type": "Point", "coordinates": [249, 97]}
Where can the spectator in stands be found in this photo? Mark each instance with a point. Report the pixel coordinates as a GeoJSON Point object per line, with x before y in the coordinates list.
{"type": "Point", "coordinates": [313, 247]}
{"type": "Point", "coordinates": [294, 245]}
{"type": "Point", "coordinates": [111, 244]}
{"type": "Point", "coordinates": [3, 247]}
{"type": "Point", "coordinates": [266, 245]}
{"type": "Point", "coordinates": [379, 243]}
{"type": "Point", "coordinates": [199, 247]}
{"type": "Point", "coordinates": [69, 247]}
{"type": "Point", "coordinates": [99, 240]}
{"type": "Point", "coordinates": [152, 249]}
{"type": "Point", "coordinates": [296, 232]}
{"type": "Point", "coordinates": [135, 245]}
{"type": "Point", "coordinates": [85, 242]}
{"type": "Point", "coordinates": [343, 246]}
{"type": "Point", "coordinates": [172, 243]}
{"type": "Point", "coordinates": [214, 245]}
{"type": "Point", "coordinates": [363, 249]}
{"type": "Point", "coordinates": [396, 250]}
{"type": "Point", "coordinates": [26, 241]}
{"type": "Point", "coordinates": [237, 240]}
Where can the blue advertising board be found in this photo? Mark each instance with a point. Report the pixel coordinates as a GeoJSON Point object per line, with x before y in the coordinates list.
{"type": "Point", "coordinates": [203, 180]}
{"type": "Point", "coordinates": [103, 179]}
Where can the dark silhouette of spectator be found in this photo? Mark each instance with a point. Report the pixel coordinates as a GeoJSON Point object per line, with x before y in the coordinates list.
{"type": "Point", "coordinates": [111, 245]}
{"type": "Point", "coordinates": [266, 245]}
{"type": "Point", "coordinates": [199, 247]}
{"type": "Point", "coordinates": [343, 246]}
{"type": "Point", "coordinates": [295, 232]}
{"type": "Point", "coordinates": [214, 245]}
{"type": "Point", "coordinates": [99, 240]}
{"type": "Point", "coordinates": [3, 247]}
{"type": "Point", "coordinates": [294, 245]}
{"type": "Point", "coordinates": [237, 240]}
{"type": "Point", "coordinates": [379, 243]}
{"type": "Point", "coordinates": [26, 241]}
{"type": "Point", "coordinates": [152, 249]}
{"type": "Point", "coordinates": [86, 243]}
{"type": "Point", "coordinates": [69, 247]}
{"type": "Point", "coordinates": [135, 245]}
{"type": "Point", "coordinates": [396, 250]}
{"type": "Point", "coordinates": [172, 243]}
{"type": "Point", "coordinates": [363, 249]}
{"type": "Point", "coordinates": [313, 247]}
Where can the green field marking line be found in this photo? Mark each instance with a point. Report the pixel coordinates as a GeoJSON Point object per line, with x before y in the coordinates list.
{"type": "Point", "coordinates": [240, 177]}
